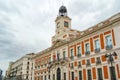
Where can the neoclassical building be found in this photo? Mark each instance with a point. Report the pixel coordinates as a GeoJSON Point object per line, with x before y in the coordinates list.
{"type": "Point", "coordinates": [92, 54]}
{"type": "Point", "coordinates": [21, 69]}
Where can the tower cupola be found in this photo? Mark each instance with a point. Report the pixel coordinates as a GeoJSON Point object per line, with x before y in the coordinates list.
{"type": "Point", "coordinates": [62, 11]}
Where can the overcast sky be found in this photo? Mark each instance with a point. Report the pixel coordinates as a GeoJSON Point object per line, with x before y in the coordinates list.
{"type": "Point", "coordinates": [27, 25]}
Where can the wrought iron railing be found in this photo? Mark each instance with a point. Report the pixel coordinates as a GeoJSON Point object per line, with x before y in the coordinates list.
{"type": "Point", "coordinates": [97, 50]}
{"type": "Point", "coordinates": [108, 47]}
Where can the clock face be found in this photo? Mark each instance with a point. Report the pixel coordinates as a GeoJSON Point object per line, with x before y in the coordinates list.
{"type": "Point", "coordinates": [65, 23]}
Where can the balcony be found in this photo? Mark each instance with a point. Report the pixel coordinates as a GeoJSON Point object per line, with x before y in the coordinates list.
{"type": "Point", "coordinates": [98, 62]}
{"type": "Point", "coordinates": [79, 55]}
{"type": "Point", "coordinates": [72, 67]}
{"type": "Point", "coordinates": [71, 57]}
{"type": "Point", "coordinates": [88, 64]}
{"type": "Point", "coordinates": [87, 53]}
{"type": "Point", "coordinates": [108, 47]}
{"type": "Point", "coordinates": [64, 59]}
{"type": "Point", "coordinates": [97, 50]}
{"type": "Point", "coordinates": [58, 61]}
{"type": "Point", "coordinates": [79, 66]}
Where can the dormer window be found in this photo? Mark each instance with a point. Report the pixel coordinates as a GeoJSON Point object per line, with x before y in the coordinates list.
{"type": "Point", "coordinates": [65, 24]}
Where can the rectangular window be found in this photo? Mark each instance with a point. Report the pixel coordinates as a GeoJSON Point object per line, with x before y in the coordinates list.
{"type": "Point", "coordinates": [38, 78]}
{"type": "Point", "coordinates": [58, 56]}
{"type": "Point", "coordinates": [38, 66]}
{"type": "Point", "coordinates": [54, 57]}
{"type": "Point", "coordinates": [27, 63]}
{"type": "Point", "coordinates": [79, 51]}
{"type": "Point", "coordinates": [64, 76]}
{"type": "Point", "coordinates": [97, 44]}
{"type": "Point", "coordinates": [108, 40]}
{"type": "Point", "coordinates": [87, 46]}
{"type": "Point", "coordinates": [79, 64]}
{"type": "Point", "coordinates": [26, 77]}
{"type": "Point", "coordinates": [80, 75]}
{"type": "Point", "coordinates": [65, 24]}
{"type": "Point", "coordinates": [49, 77]}
{"type": "Point", "coordinates": [50, 59]}
{"type": "Point", "coordinates": [72, 66]}
{"type": "Point", "coordinates": [27, 67]}
{"type": "Point", "coordinates": [27, 72]}
{"type": "Point", "coordinates": [88, 62]}
{"type": "Point", "coordinates": [72, 75]}
{"type": "Point", "coordinates": [64, 54]}
{"type": "Point", "coordinates": [72, 53]}
{"type": "Point", "coordinates": [89, 75]}
{"type": "Point", "coordinates": [99, 71]}
{"type": "Point", "coordinates": [112, 72]}
{"type": "Point", "coordinates": [53, 76]}
{"type": "Point", "coordinates": [45, 78]}
{"type": "Point", "coordinates": [98, 61]}
{"type": "Point", "coordinates": [41, 77]}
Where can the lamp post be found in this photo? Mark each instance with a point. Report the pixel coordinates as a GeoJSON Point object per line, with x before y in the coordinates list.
{"type": "Point", "coordinates": [1, 74]}
{"type": "Point", "coordinates": [112, 70]}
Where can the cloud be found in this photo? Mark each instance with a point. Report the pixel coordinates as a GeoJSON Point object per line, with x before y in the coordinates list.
{"type": "Point", "coordinates": [28, 25]}
{"type": "Point", "coordinates": [90, 12]}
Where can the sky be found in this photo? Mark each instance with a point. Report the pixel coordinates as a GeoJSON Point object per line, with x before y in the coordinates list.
{"type": "Point", "coordinates": [27, 25]}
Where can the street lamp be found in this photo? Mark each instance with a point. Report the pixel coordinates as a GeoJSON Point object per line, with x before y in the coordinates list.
{"type": "Point", "coordinates": [112, 69]}
{"type": "Point", "coordinates": [1, 74]}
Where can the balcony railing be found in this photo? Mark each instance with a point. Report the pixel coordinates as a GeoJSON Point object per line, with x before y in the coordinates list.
{"type": "Point", "coordinates": [98, 62]}
{"type": "Point", "coordinates": [72, 67]}
{"type": "Point", "coordinates": [108, 47]}
{"type": "Point", "coordinates": [79, 55]}
{"type": "Point", "coordinates": [64, 58]}
{"type": "Point", "coordinates": [61, 59]}
{"type": "Point", "coordinates": [88, 64]}
{"type": "Point", "coordinates": [79, 66]}
{"type": "Point", "coordinates": [87, 53]}
{"type": "Point", "coordinates": [57, 61]}
{"type": "Point", "coordinates": [97, 50]}
{"type": "Point", "coordinates": [71, 57]}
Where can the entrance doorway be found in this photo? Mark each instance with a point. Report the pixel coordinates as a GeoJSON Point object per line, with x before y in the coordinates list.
{"type": "Point", "coordinates": [58, 74]}
{"type": "Point", "coordinates": [112, 72]}
{"type": "Point", "coordinates": [99, 71]}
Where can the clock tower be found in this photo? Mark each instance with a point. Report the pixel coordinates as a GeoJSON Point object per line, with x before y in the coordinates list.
{"type": "Point", "coordinates": [63, 26]}
{"type": "Point", "coordinates": [62, 21]}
